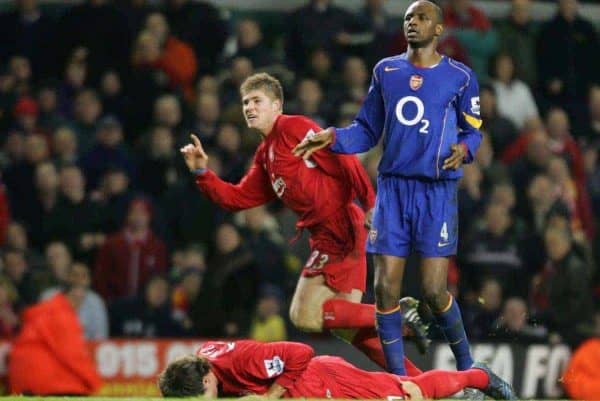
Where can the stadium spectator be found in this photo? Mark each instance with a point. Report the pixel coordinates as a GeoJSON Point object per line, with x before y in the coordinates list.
{"type": "Point", "coordinates": [561, 293]}
{"type": "Point", "coordinates": [513, 325]}
{"type": "Point", "coordinates": [200, 24]}
{"type": "Point", "coordinates": [51, 344]}
{"type": "Point", "coordinates": [250, 44]}
{"type": "Point", "coordinates": [185, 294]}
{"type": "Point", "coordinates": [114, 196]}
{"type": "Point", "coordinates": [232, 276]}
{"type": "Point", "coordinates": [474, 31]}
{"type": "Point", "coordinates": [176, 59]}
{"type": "Point", "coordinates": [47, 99]}
{"type": "Point", "coordinates": [482, 314]}
{"type": "Point", "coordinates": [588, 124]}
{"type": "Point", "coordinates": [240, 68]}
{"type": "Point", "coordinates": [64, 146]}
{"type": "Point", "coordinates": [160, 165]}
{"type": "Point", "coordinates": [494, 249]}
{"type": "Point", "coordinates": [87, 111]}
{"type": "Point", "coordinates": [310, 102]}
{"type": "Point", "coordinates": [92, 312]}
{"type": "Point", "coordinates": [378, 29]}
{"type": "Point", "coordinates": [514, 98]}
{"type": "Point", "coordinates": [20, 68]}
{"type": "Point", "coordinates": [19, 177]}
{"type": "Point", "coordinates": [207, 112]}
{"type": "Point", "coordinates": [564, 76]}
{"type": "Point", "coordinates": [26, 113]}
{"type": "Point", "coordinates": [44, 201]}
{"type": "Point", "coordinates": [108, 150]}
{"type": "Point", "coordinates": [517, 34]}
{"type": "Point", "coordinates": [229, 143]}
{"type": "Point", "coordinates": [581, 379]}
{"type": "Point", "coordinates": [58, 266]}
{"type": "Point", "coordinates": [74, 206]}
{"type": "Point", "coordinates": [21, 275]}
{"type": "Point", "coordinates": [116, 102]}
{"type": "Point", "coordinates": [146, 315]}
{"type": "Point", "coordinates": [319, 23]}
{"type": "Point", "coordinates": [129, 258]}
{"type": "Point", "coordinates": [97, 31]}
{"type": "Point", "coordinates": [29, 31]}
{"type": "Point", "coordinates": [167, 111]}
{"type": "Point", "coordinates": [261, 231]}
{"type": "Point", "coordinates": [267, 324]}
{"type": "Point", "coordinates": [9, 319]}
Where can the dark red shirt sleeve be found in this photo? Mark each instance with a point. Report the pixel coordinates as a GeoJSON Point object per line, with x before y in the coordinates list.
{"type": "Point", "coordinates": [282, 361]}
{"type": "Point", "coordinates": [253, 190]}
{"type": "Point", "coordinates": [344, 167]}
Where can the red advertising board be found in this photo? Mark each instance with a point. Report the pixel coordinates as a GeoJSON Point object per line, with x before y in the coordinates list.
{"type": "Point", "coordinates": [127, 367]}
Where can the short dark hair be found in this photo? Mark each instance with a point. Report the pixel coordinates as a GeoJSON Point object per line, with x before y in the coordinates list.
{"type": "Point", "coordinates": [438, 11]}
{"type": "Point", "coordinates": [183, 377]}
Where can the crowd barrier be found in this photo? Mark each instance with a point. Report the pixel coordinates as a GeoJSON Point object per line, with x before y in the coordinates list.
{"type": "Point", "coordinates": [130, 367]}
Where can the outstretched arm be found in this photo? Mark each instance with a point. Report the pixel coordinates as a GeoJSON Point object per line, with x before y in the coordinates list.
{"type": "Point", "coordinates": [358, 137]}
{"type": "Point", "coordinates": [253, 190]}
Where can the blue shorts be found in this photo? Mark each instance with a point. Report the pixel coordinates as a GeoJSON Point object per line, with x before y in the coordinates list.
{"type": "Point", "coordinates": [413, 214]}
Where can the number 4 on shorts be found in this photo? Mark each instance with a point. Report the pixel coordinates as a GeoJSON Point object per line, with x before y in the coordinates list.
{"type": "Point", "coordinates": [443, 235]}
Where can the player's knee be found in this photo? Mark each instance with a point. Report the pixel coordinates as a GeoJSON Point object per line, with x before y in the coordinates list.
{"type": "Point", "coordinates": [436, 297]}
{"type": "Point", "coordinates": [305, 321]}
{"type": "Point", "coordinates": [385, 294]}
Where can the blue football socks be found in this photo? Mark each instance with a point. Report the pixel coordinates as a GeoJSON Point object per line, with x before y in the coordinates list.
{"type": "Point", "coordinates": [389, 327]}
{"type": "Point", "coordinates": [450, 321]}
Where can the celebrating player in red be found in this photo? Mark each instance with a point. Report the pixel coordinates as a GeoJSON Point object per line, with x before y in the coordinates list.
{"type": "Point", "coordinates": [290, 370]}
{"type": "Point", "coordinates": [321, 191]}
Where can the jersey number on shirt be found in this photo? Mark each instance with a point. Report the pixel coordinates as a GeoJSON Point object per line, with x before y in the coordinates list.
{"type": "Point", "coordinates": [315, 262]}
{"type": "Point", "coordinates": [418, 118]}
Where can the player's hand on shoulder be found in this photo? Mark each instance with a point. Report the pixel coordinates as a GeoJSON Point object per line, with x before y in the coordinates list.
{"type": "Point", "coordinates": [313, 143]}
{"type": "Point", "coordinates": [459, 152]}
{"type": "Point", "coordinates": [194, 155]}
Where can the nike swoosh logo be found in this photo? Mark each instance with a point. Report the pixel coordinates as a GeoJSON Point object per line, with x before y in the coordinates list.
{"type": "Point", "coordinates": [441, 244]}
{"type": "Point", "coordinates": [388, 342]}
{"type": "Point", "coordinates": [388, 69]}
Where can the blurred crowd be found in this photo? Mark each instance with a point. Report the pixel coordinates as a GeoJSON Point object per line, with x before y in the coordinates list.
{"type": "Point", "coordinates": [96, 99]}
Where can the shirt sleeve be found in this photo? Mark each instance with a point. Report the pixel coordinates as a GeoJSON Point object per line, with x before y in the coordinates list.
{"type": "Point", "coordinates": [282, 361]}
{"type": "Point", "coordinates": [468, 117]}
{"type": "Point", "coordinates": [367, 127]}
{"type": "Point", "coordinates": [253, 190]}
{"type": "Point", "coordinates": [344, 167]}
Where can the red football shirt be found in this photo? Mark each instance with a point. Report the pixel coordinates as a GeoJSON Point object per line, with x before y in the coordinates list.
{"type": "Point", "coordinates": [251, 367]}
{"type": "Point", "coordinates": [314, 189]}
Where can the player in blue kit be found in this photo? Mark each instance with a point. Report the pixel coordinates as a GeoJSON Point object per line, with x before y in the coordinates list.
{"type": "Point", "coordinates": [426, 106]}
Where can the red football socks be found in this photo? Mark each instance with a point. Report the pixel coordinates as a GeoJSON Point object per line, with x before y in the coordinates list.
{"type": "Point", "coordinates": [442, 384]}
{"type": "Point", "coordinates": [368, 343]}
{"type": "Point", "coordinates": [342, 314]}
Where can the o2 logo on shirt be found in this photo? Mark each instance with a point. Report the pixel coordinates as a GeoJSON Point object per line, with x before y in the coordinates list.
{"type": "Point", "coordinates": [274, 366]}
{"type": "Point", "coordinates": [418, 118]}
{"type": "Point", "coordinates": [475, 105]}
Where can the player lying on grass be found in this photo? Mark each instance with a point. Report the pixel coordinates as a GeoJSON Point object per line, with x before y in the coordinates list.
{"type": "Point", "coordinates": [290, 370]}
{"type": "Point", "coordinates": [321, 190]}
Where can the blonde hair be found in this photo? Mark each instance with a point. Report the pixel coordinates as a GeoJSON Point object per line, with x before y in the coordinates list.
{"type": "Point", "coordinates": [264, 82]}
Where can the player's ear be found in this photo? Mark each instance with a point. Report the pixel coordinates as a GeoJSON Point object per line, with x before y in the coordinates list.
{"type": "Point", "coordinates": [439, 29]}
